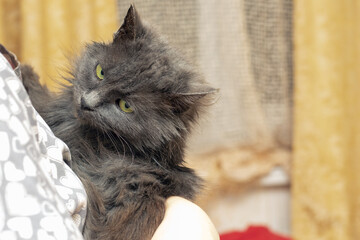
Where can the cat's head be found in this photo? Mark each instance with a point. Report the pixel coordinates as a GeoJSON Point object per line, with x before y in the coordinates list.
{"type": "Point", "coordinates": [137, 87]}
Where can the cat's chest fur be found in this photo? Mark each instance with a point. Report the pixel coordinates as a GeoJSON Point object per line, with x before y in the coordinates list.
{"type": "Point", "coordinates": [126, 190]}
{"type": "Point", "coordinates": [112, 166]}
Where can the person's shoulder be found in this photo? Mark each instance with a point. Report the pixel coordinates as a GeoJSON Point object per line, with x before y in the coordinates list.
{"type": "Point", "coordinates": [185, 220]}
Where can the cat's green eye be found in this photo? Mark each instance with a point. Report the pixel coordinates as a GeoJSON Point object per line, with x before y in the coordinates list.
{"type": "Point", "coordinates": [125, 107]}
{"type": "Point", "coordinates": [99, 72]}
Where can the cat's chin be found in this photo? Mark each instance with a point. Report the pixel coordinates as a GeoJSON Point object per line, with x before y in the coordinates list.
{"type": "Point", "coordinates": [83, 116]}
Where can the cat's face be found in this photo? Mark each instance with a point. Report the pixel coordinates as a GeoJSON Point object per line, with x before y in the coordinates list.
{"type": "Point", "coordinates": [137, 87]}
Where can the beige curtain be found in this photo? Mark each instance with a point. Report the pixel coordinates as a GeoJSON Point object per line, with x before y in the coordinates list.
{"type": "Point", "coordinates": [326, 179]}
{"type": "Point", "coordinates": [46, 33]}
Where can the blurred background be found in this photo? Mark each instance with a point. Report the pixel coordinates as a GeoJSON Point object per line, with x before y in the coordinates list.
{"type": "Point", "coordinates": [281, 146]}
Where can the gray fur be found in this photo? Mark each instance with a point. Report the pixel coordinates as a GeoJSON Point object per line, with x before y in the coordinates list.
{"type": "Point", "coordinates": [129, 162]}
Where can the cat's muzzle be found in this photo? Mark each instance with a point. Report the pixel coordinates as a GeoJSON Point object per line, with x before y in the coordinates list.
{"type": "Point", "coordinates": [84, 105]}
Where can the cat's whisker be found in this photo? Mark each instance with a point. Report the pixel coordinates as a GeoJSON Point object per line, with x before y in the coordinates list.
{"type": "Point", "coordinates": [113, 142]}
{"type": "Point", "coordinates": [122, 140]}
{"type": "Point", "coordinates": [158, 163]}
{"type": "Point", "coordinates": [128, 145]}
{"type": "Point", "coordinates": [123, 145]}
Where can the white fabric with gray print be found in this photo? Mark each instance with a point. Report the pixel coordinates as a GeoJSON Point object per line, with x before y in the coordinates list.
{"type": "Point", "coordinates": [41, 197]}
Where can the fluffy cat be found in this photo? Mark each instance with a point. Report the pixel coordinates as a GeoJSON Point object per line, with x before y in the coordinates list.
{"type": "Point", "coordinates": [125, 117]}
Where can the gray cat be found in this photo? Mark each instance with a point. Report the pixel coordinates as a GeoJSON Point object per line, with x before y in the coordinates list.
{"type": "Point", "coordinates": [125, 117]}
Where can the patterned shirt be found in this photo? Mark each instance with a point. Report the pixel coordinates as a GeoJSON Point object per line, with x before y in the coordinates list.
{"type": "Point", "coordinates": [40, 196]}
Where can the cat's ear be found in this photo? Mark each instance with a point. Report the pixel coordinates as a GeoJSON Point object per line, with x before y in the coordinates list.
{"type": "Point", "coordinates": [130, 28]}
{"type": "Point", "coordinates": [182, 102]}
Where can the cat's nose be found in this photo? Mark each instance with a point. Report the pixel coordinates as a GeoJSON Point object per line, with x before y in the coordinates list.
{"type": "Point", "coordinates": [84, 105]}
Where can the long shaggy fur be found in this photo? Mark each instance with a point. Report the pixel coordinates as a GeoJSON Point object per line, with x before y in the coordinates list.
{"type": "Point", "coordinates": [129, 163]}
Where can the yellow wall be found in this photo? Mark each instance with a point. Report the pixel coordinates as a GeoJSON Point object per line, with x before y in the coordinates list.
{"type": "Point", "coordinates": [326, 169]}
{"type": "Point", "coordinates": [45, 33]}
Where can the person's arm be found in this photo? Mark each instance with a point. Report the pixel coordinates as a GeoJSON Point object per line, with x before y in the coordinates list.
{"type": "Point", "coordinates": [185, 220]}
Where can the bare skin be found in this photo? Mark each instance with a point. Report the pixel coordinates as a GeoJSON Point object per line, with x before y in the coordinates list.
{"type": "Point", "coordinates": [185, 220]}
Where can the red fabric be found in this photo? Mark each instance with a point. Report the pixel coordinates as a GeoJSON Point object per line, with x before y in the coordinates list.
{"type": "Point", "coordinates": [253, 233]}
